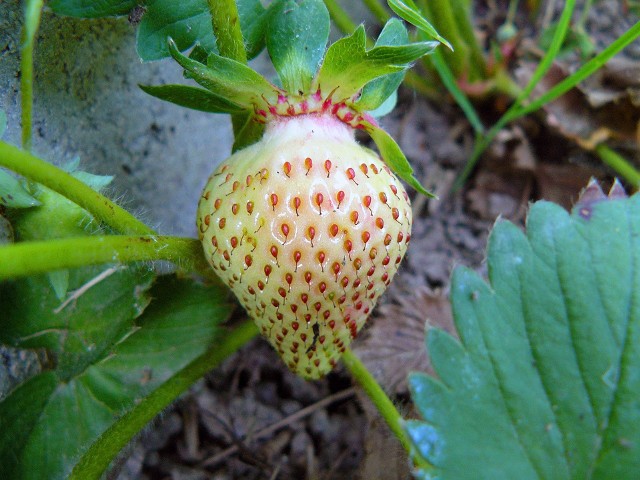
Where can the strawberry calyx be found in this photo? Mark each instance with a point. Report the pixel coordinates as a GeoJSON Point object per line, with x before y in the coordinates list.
{"type": "Point", "coordinates": [294, 105]}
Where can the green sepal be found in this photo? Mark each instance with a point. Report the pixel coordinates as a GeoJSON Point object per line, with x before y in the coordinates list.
{"type": "Point", "coordinates": [296, 40]}
{"type": "Point", "coordinates": [348, 65]}
{"type": "Point", "coordinates": [13, 194]}
{"type": "Point", "coordinates": [407, 10]}
{"type": "Point", "coordinates": [249, 134]}
{"type": "Point", "coordinates": [187, 22]}
{"type": "Point", "coordinates": [375, 93]}
{"type": "Point", "coordinates": [192, 97]}
{"type": "Point", "coordinates": [228, 78]}
{"type": "Point", "coordinates": [395, 159]}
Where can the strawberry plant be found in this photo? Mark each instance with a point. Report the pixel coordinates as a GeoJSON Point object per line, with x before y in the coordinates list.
{"type": "Point", "coordinates": [307, 228]}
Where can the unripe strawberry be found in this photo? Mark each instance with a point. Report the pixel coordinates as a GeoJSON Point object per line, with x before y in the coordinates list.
{"type": "Point", "coordinates": [307, 228]}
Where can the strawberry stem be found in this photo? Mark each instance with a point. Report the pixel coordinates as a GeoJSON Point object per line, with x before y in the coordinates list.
{"type": "Point", "coordinates": [226, 27]}
{"type": "Point", "coordinates": [33, 258]}
{"type": "Point", "coordinates": [33, 10]}
{"type": "Point", "coordinates": [97, 459]}
{"type": "Point", "coordinates": [37, 170]}
{"type": "Point", "coordinates": [383, 403]}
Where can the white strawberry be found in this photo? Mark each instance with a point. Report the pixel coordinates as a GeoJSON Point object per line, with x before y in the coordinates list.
{"type": "Point", "coordinates": [306, 226]}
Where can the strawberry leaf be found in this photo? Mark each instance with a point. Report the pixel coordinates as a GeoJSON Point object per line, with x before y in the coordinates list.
{"type": "Point", "coordinates": [98, 380]}
{"type": "Point", "coordinates": [192, 97]}
{"type": "Point", "coordinates": [394, 157]}
{"type": "Point", "coordinates": [253, 23]}
{"type": "Point", "coordinates": [231, 80]}
{"type": "Point", "coordinates": [376, 92]}
{"type": "Point", "coordinates": [296, 40]}
{"type": "Point", "coordinates": [187, 22]}
{"type": "Point", "coordinates": [348, 65]}
{"type": "Point", "coordinates": [91, 8]}
{"type": "Point", "coordinates": [544, 383]}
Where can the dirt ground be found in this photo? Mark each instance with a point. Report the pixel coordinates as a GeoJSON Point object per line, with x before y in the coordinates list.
{"type": "Point", "coordinates": [252, 419]}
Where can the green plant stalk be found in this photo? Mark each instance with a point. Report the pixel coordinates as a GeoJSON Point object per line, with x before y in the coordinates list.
{"type": "Point", "coordinates": [340, 17]}
{"type": "Point", "coordinates": [377, 10]}
{"type": "Point", "coordinates": [559, 89]}
{"type": "Point", "coordinates": [98, 457]}
{"type": "Point", "coordinates": [226, 26]}
{"type": "Point", "coordinates": [549, 57]}
{"type": "Point", "coordinates": [37, 170]}
{"type": "Point", "coordinates": [462, 11]}
{"type": "Point", "coordinates": [383, 404]}
{"type": "Point", "coordinates": [33, 10]}
{"type": "Point", "coordinates": [450, 84]}
{"type": "Point", "coordinates": [440, 15]}
{"type": "Point", "coordinates": [619, 164]}
{"type": "Point", "coordinates": [33, 258]}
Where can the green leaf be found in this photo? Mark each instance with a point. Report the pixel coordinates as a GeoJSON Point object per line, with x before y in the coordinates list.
{"type": "Point", "coordinates": [376, 93]}
{"type": "Point", "coordinates": [229, 79]}
{"type": "Point", "coordinates": [296, 40]}
{"type": "Point", "coordinates": [186, 22]}
{"type": "Point", "coordinates": [91, 8]}
{"type": "Point", "coordinates": [249, 134]}
{"type": "Point", "coordinates": [407, 10]}
{"type": "Point", "coordinates": [192, 97]}
{"type": "Point", "coordinates": [348, 66]}
{"type": "Point", "coordinates": [253, 23]}
{"type": "Point", "coordinates": [545, 381]}
{"type": "Point", "coordinates": [106, 374]}
{"type": "Point", "coordinates": [13, 194]}
{"type": "Point", "coordinates": [393, 156]}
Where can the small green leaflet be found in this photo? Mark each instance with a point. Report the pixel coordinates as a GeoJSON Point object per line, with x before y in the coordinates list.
{"type": "Point", "coordinates": [544, 382]}
{"type": "Point", "coordinates": [348, 65]}
{"type": "Point", "coordinates": [296, 40]}
{"type": "Point", "coordinates": [13, 194]}
{"type": "Point", "coordinates": [375, 93]}
{"type": "Point", "coordinates": [407, 10]}
{"type": "Point", "coordinates": [229, 79]}
{"type": "Point", "coordinates": [192, 97]}
{"type": "Point", "coordinates": [392, 154]}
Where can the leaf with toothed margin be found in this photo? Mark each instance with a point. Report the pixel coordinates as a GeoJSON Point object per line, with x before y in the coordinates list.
{"type": "Point", "coordinates": [228, 79]}
{"type": "Point", "coordinates": [394, 158]}
{"type": "Point", "coordinates": [348, 65]}
{"type": "Point", "coordinates": [376, 92]}
{"type": "Point", "coordinates": [13, 194]}
{"type": "Point", "coordinates": [192, 97]}
{"type": "Point", "coordinates": [296, 40]}
{"type": "Point", "coordinates": [545, 380]}
{"type": "Point", "coordinates": [407, 10]}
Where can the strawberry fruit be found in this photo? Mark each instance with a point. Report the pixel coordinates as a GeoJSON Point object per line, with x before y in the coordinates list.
{"type": "Point", "coordinates": [306, 226]}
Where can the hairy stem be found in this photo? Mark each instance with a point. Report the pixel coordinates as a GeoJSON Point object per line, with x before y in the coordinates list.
{"type": "Point", "coordinates": [37, 170]}
{"type": "Point", "coordinates": [33, 10]}
{"type": "Point", "coordinates": [377, 10]}
{"type": "Point", "coordinates": [382, 402]}
{"type": "Point", "coordinates": [33, 258]}
{"type": "Point", "coordinates": [226, 26]}
{"type": "Point", "coordinates": [340, 17]}
{"type": "Point", "coordinates": [97, 459]}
